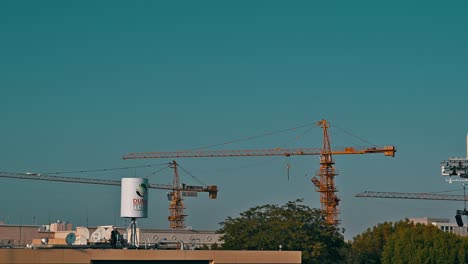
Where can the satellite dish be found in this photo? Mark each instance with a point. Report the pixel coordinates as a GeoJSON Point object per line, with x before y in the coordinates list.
{"type": "Point", "coordinates": [82, 232]}
{"type": "Point", "coordinates": [80, 240]}
{"type": "Point", "coordinates": [96, 237]}
{"type": "Point", "coordinates": [70, 239]}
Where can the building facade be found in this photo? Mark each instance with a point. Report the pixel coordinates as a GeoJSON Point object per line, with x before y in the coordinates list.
{"type": "Point", "coordinates": [22, 235]}
{"type": "Point", "coordinates": [120, 256]}
{"type": "Point", "coordinates": [443, 224]}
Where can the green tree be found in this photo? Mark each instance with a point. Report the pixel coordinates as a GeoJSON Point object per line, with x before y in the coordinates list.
{"type": "Point", "coordinates": [405, 242]}
{"type": "Point", "coordinates": [423, 244]}
{"type": "Point", "coordinates": [368, 246]}
{"type": "Point", "coordinates": [292, 226]}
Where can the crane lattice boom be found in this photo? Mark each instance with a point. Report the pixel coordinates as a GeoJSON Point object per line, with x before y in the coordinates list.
{"type": "Point", "coordinates": [42, 177]}
{"type": "Point", "coordinates": [421, 196]}
{"type": "Point", "coordinates": [387, 150]}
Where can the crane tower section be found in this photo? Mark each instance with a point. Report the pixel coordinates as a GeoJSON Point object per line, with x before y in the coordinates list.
{"type": "Point", "coordinates": [325, 185]}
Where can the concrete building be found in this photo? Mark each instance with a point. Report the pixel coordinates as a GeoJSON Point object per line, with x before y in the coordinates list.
{"type": "Point", "coordinates": [195, 238]}
{"type": "Point", "coordinates": [120, 256]}
{"type": "Point", "coordinates": [443, 224]}
{"type": "Point", "coordinates": [19, 234]}
{"type": "Point", "coordinates": [14, 238]}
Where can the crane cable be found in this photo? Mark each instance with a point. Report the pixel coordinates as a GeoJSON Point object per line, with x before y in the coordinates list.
{"type": "Point", "coordinates": [252, 137]}
{"type": "Point", "coordinates": [312, 126]}
{"type": "Point", "coordinates": [353, 135]}
{"type": "Point", "coordinates": [158, 171]}
{"type": "Point", "coordinates": [295, 139]}
{"type": "Point", "coordinates": [446, 191]}
{"type": "Point", "coordinates": [107, 169]}
{"type": "Point", "coordinates": [191, 175]}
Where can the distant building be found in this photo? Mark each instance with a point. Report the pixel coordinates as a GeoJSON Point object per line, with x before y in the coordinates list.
{"type": "Point", "coordinates": [60, 226]}
{"type": "Point", "coordinates": [18, 234]}
{"type": "Point", "coordinates": [443, 224]}
{"type": "Point", "coordinates": [196, 238]}
{"type": "Point", "coordinates": [21, 235]}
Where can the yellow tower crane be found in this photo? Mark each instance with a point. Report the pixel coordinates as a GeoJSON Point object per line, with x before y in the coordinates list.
{"type": "Point", "coordinates": [176, 190]}
{"type": "Point", "coordinates": [176, 207]}
{"type": "Point", "coordinates": [325, 184]}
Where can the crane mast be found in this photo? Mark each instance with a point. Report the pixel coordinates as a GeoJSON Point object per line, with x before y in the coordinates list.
{"type": "Point", "coordinates": [325, 184]}
{"type": "Point", "coordinates": [176, 207]}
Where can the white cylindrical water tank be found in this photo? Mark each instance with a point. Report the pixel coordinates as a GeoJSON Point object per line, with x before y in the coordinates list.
{"type": "Point", "coordinates": [134, 198]}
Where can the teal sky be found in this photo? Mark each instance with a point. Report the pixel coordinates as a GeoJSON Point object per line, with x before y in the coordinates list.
{"type": "Point", "coordinates": [82, 83]}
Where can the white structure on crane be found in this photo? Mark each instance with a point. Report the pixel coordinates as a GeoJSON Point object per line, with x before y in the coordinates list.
{"type": "Point", "coordinates": [456, 166]}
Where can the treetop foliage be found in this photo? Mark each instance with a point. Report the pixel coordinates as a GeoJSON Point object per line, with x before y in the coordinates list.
{"type": "Point", "coordinates": [292, 226]}
{"type": "Point", "coordinates": [295, 226]}
{"type": "Point", "coordinates": [405, 242]}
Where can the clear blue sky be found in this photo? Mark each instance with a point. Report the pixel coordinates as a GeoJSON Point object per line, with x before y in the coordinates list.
{"type": "Point", "coordinates": [82, 83]}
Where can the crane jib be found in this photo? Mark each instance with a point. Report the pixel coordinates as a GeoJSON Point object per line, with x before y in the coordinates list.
{"type": "Point", "coordinates": [386, 150]}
